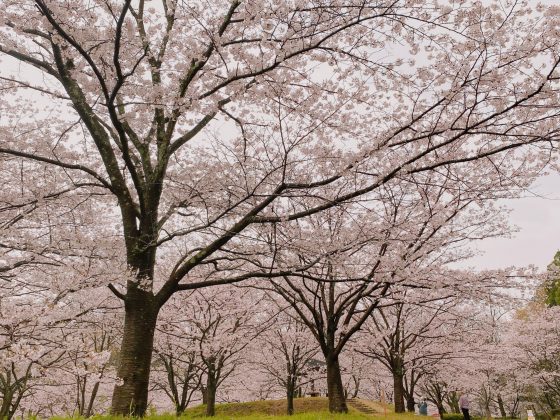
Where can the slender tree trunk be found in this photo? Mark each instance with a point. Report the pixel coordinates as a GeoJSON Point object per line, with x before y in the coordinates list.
{"type": "Point", "coordinates": [409, 393]}
{"type": "Point", "coordinates": [410, 404]}
{"type": "Point", "coordinates": [436, 396]}
{"type": "Point", "coordinates": [211, 385]}
{"type": "Point", "coordinates": [337, 402]}
{"type": "Point", "coordinates": [398, 392]}
{"type": "Point", "coordinates": [211, 400]}
{"type": "Point", "coordinates": [12, 393]}
{"type": "Point", "coordinates": [453, 401]}
{"type": "Point", "coordinates": [513, 413]}
{"type": "Point", "coordinates": [501, 406]}
{"type": "Point", "coordinates": [92, 399]}
{"type": "Point", "coordinates": [182, 404]}
{"type": "Point", "coordinates": [356, 386]}
{"type": "Point", "coordinates": [80, 398]}
{"type": "Point", "coordinates": [130, 397]}
{"type": "Point", "coordinates": [290, 396]}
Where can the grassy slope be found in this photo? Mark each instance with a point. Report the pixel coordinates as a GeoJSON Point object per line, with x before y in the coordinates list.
{"type": "Point", "coordinates": [305, 409]}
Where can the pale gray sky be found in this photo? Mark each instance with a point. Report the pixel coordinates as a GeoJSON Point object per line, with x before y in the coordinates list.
{"type": "Point", "coordinates": [538, 238]}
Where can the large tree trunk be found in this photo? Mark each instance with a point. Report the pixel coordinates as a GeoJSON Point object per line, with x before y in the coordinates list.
{"type": "Point", "coordinates": [130, 397]}
{"type": "Point", "coordinates": [398, 392]}
{"type": "Point", "coordinates": [337, 402]}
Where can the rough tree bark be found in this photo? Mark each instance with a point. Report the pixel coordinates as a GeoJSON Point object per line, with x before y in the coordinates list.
{"type": "Point", "coordinates": [290, 391]}
{"type": "Point", "coordinates": [211, 387]}
{"type": "Point", "coordinates": [398, 391]}
{"type": "Point", "coordinates": [337, 401]}
{"type": "Point", "coordinates": [131, 395]}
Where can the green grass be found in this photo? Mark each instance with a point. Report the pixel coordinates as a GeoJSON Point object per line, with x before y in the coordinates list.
{"type": "Point", "coordinates": [302, 416]}
{"type": "Point", "coordinates": [305, 409]}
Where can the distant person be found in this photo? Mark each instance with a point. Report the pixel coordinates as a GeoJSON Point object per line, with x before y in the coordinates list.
{"type": "Point", "coordinates": [423, 408]}
{"type": "Point", "coordinates": [464, 405]}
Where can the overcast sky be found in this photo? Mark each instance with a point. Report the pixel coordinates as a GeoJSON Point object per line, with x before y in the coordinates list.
{"type": "Point", "coordinates": [538, 218]}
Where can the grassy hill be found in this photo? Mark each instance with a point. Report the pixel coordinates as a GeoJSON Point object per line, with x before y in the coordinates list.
{"type": "Point", "coordinates": [305, 409]}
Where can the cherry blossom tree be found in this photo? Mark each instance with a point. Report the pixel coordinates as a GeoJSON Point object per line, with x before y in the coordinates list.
{"type": "Point", "coordinates": [64, 347]}
{"type": "Point", "coordinates": [364, 257]}
{"type": "Point", "coordinates": [196, 124]}
{"type": "Point", "coordinates": [286, 353]}
{"type": "Point", "coordinates": [478, 360]}
{"type": "Point", "coordinates": [90, 344]}
{"type": "Point", "coordinates": [409, 338]}
{"type": "Point", "coordinates": [177, 368]}
{"type": "Point", "coordinates": [357, 372]}
{"type": "Point", "coordinates": [52, 302]}
{"type": "Point", "coordinates": [532, 340]}
{"type": "Point", "coordinates": [181, 378]}
{"type": "Point", "coordinates": [20, 359]}
{"type": "Point", "coordinates": [206, 342]}
{"type": "Point", "coordinates": [20, 201]}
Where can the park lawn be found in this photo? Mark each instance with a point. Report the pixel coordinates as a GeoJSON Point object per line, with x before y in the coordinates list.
{"type": "Point", "coordinates": [305, 409]}
{"type": "Point", "coordinates": [319, 415]}
{"type": "Point", "coordinates": [324, 415]}
{"type": "Point", "coordinates": [264, 407]}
